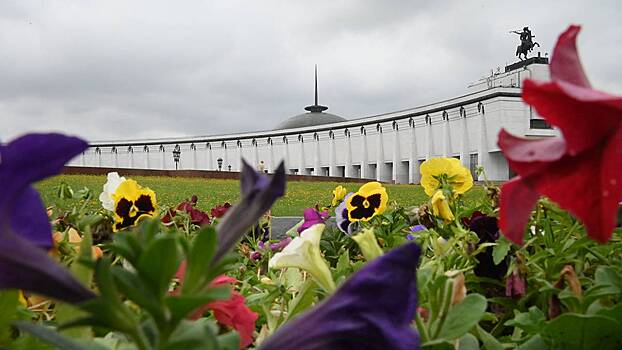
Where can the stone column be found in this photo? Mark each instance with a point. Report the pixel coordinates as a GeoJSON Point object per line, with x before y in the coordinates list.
{"type": "Point", "coordinates": [115, 156]}
{"type": "Point", "coordinates": [396, 151]}
{"type": "Point", "coordinates": [332, 156]}
{"type": "Point", "coordinates": [130, 156]}
{"type": "Point", "coordinates": [380, 154]}
{"type": "Point", "coordinates": [98, 153]}
{"type": "Point", "coordinates": [483, 157]}
{"type": "Point", "coordinates": [271, 165]}
{"type": "Point", "coordinates": [447, 136]}
{"type": "Point", "coordinates": [364, 159]}
{"type": "Point", "coordinates": [465, 150]}
{"type": "Point", "coordinates": [428, 121]}
{"type": "Point", "coordinates": [193, 148]}
{"type": "Point", "coordinates": [163, 152]}
{"type": "Point", "coordinates": [348, 172]}
{"type": "Point", "coordinates": [239, 162]}
{"type": "Point", "coordinates": [287, 162]}
{"type": "Point", "coordinates": [225, 156]}
{"type": "Point", "coordinates": [83, 159]}
{"type": "Point", "coordinates": [255, 152]}
{"type": "Point", "coordinates": [301, 168]}
{"type": "Point", "coordinates": [413, 161]}
{"type": "Point", "coordinates": [210, 156]}
{"type": "Point", "coordinates": [146, 153]}
{"type": "Point", "coordinates": [317, 158]}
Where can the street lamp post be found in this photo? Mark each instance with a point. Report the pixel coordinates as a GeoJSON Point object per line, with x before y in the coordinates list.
{"type": "Point", "coordinates": [176, 155]}
{"type": "Point", "coordinates": [219, 161]}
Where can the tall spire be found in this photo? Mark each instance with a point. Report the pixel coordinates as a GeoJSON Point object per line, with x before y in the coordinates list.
{"type": "Point", "coordinates": [316, 107]}
{"type": "Point", "coordinates": [316, 84]}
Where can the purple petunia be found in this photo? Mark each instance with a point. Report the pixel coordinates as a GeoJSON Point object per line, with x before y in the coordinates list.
{"type": "Point", "coordinates": [374, 309]}
{"type": "Point", "coordinates": [312, 217]}
{"type": "Point", "coordinates": [25, 231]}
{"type": "Point", "coordinates": [280, 245]}
{"type": "Point", "coordinates": [259, 192]}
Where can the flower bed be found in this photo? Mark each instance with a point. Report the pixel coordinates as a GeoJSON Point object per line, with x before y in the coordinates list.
{"type": "Point", "coordinates": [517, 270]}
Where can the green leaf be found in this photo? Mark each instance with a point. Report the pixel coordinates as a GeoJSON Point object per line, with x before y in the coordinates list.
{"type": "Point", "coordinates": [50, 336]}
{"type": "Point", "coordinates": [8, 305]}
{"type": "Point", "coordinates": [303, 300]}
{"type": "Point", "coordinates": [534, 343]}
{"type": "Point", "coordinates": [198, 260]}
{"type": "Point", "coordinates": [183, 305]}
{"type": "Point", "coordinates": [462, 317]}
{"type": "Point", "coordinates": [107, 309]}
{"type": "Point", "coordinates": [607, 275]}
{"type": "Point", "coordinates": [132, 287]}
{"type": "Point", "coordinates": [531, 321]}
{"type": "Point", "coordinates": [438, 344]}
{"type": "Point", "coordinates": [614, 312]}
{"type": "Point", "coordinates": [191, 335]}
{"type": "Point", "coordinates": [574, 331]}
{"type": "Point", "coordinates": [229, 341]}
{"type": "Point", "coordinates": [468, 342]}
{"type": "Point", "coordinates": [490, 342]}
{"type": "Point", "coordinates": [66, 312]}
{"type": "Point", "coordinates": [158, 264]}
{"type": "Point", "coordinates": [500, 251]}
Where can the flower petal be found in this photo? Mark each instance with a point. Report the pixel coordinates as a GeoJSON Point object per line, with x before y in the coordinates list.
{"type": "Point", "coordinates": [565, 64]}
{"type": "Point", "coordinates": [516, 203]}
{"type": "Point", "coordinates": [24, 266]}
{"type": "Point", "coordinates": [372, 310]}
{"type": "Point", "coordinates": [259, 192]}
{"type": "Point", "coordinates": [30, 221]}
{"type": "Point", "coordinates": [31, 158]}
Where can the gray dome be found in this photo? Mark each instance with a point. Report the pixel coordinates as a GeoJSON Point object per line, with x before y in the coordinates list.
{"type": "Point", "coordinates": [309, 119]}
{"type": "Point", "coordinates": [316, 115]}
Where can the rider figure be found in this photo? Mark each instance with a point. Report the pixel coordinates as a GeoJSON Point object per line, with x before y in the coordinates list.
{"type": "Point", "coordinates": [525, 37]}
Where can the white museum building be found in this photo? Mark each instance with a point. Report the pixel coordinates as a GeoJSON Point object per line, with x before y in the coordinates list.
{"type": "Point", "coordinates": [388, 147]}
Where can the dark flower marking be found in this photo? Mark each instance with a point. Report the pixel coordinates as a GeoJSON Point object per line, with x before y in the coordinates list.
{"type": "Point", "coordinates": [365, 207]}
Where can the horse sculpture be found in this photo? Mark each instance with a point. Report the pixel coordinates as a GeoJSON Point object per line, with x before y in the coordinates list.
{"type": "Point", "coordinates": [524, 48]}
{"type": "Point", "coordinates": [527, 44]}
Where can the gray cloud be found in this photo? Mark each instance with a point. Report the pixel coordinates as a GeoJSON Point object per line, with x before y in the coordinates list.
{"type": "Point", "coordinates": [148, 69]}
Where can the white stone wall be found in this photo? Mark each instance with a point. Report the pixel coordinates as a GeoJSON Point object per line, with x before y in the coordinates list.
{"type": "Point", "coordinates": [386, 147]}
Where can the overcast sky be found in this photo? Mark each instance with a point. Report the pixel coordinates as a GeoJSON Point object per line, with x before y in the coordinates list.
{"type": "Point", "coordinates": [149, 69]}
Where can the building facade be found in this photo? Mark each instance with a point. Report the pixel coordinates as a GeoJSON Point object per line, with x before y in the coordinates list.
{"type": "Point", "coordinates": [388, 147]}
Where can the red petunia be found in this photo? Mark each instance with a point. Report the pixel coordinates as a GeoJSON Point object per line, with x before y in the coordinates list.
{"type": "Point", "coordinates": [231, 313]}
{"type": "Point", "coordinates": [197, 217]}
{"type": "Point", "coordinates": [581, 172]}
{"type": "Point", "coordinates": [220, 210]}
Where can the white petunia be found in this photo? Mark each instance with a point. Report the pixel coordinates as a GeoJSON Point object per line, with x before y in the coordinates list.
{"type": "Point", "coordinates": [110, 187]}
{"type": "Point", "coordinates": [303, 252]}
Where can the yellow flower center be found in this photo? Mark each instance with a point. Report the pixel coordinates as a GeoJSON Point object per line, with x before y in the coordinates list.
{"type": "Point", "coordinates": [366, 203]}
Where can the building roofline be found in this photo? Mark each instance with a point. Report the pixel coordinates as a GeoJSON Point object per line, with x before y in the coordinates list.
{"type": "Point", "coordinates": [474, 97]}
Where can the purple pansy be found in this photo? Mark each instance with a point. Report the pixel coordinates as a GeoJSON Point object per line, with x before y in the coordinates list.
{"type": "Point", "coordinates": [259, 192]}
{"type": "Point", "coordinates": [24, 224]}
{"type": "Point", "coordinates": [311, 217]}
{"type": "Point", "coordinates": [374, 309]}
{"type": "Point", "coordinates": [487, 229]}
{"type": "Point", "coordinates": [341, 216]}
{"type": "Point", "coordinates": [418, 228]}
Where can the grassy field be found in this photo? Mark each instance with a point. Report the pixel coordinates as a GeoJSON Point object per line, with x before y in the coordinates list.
{"type": "Point", "coordinates": [172, 190]}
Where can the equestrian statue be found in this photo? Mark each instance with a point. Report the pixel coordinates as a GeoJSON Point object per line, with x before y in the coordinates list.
{"type": "Point", "coordinates": [526, 43]}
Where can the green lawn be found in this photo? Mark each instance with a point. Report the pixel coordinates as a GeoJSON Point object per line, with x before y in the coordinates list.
{"type": "Point", "coordinates": [172, 190]}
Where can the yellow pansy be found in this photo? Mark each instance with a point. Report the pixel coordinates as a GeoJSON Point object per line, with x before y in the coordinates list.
{"type": "Point", "coordinates": [449, 169]}
{"type": "Point", "coordinates": [132, 203]}
{"type": "Point", "coordinates": [371, 199]}
{"type": "Point", "coordinates": [440, 206]}
{"type": "Point", "coordinates": [339, 194]}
